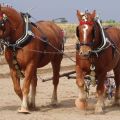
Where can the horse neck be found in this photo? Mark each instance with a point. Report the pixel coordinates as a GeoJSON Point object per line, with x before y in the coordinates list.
{"type": "Point", "coordinates": [16, 23]}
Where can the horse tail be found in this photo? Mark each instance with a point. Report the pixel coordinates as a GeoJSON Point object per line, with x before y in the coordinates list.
{"type": "Point", "coordinates": [63, 38]}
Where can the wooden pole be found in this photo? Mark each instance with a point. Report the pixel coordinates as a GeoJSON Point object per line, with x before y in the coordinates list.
{"type": "Point", "coordinates": [62, 75]}
{"type": "Point", "coordinates": [68, 75]}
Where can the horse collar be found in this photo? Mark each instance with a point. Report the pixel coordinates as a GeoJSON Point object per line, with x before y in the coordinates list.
{"type": "Point", "coordinates": [105, 40]}
{"type": "Point", "coordinates": [26, 37]}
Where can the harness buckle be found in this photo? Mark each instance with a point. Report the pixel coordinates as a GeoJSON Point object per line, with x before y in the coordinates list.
{"type": "Point", "coordinates": [92, 67]}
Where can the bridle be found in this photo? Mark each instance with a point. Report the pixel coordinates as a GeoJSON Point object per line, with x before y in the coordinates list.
{"type": "Point", "coordinates": [3, 21]}
{"type": "Point", "coordinates": [84, 43]}
{"type": "Point", "coordinates": [105, 43]}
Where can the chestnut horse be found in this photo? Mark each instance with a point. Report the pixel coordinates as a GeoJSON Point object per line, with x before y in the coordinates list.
{"type": "Point", "coordinates": [26, 44]}
{"type": "Point", "coordinates": [98, 51]}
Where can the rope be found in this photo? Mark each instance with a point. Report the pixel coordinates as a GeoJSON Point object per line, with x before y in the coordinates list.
{"type": "Point", "coordinates": [45, 52]}
{"type": "Point", "coordinates": [61, 52]}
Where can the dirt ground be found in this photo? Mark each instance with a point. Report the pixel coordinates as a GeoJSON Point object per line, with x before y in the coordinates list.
{"type": "Point", "coordinates": [67, 93]}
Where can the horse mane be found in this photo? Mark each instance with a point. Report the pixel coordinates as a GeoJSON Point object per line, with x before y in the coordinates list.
{"type": "Point", "coordinates": [5, 5]}
{"type": "Point", "coordinates": [13, 15]}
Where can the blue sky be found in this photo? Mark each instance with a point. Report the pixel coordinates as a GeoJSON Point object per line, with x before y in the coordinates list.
{"type": "Point", "coordinates": [50, 9]}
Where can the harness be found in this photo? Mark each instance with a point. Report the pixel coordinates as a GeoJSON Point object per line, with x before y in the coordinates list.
{"type": "Point", "coordinates": [106, 42]}
{"type": "Point", "coordinates": [26, 37]}
{"type": "Point", "coordinates": [21, 42]}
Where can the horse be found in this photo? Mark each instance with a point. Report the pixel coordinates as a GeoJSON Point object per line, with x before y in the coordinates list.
{"type": "Point", "coordinates": [97, 52]}
{"type": "Point", "coordinates": [30, 46]}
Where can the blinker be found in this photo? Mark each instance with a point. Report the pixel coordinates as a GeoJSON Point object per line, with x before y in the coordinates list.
{"type": "Point", "coordinates": [3, 18]}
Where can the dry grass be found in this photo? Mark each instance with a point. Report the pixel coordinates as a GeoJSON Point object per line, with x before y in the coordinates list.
{"type": "Point", "coordinates": [69, 29]}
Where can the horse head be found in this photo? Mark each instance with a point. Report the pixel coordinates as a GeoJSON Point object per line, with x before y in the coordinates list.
{"type": "Point", "coordinates": [10, 24]}
{"type": "Point", "coordinates": [85, 32]}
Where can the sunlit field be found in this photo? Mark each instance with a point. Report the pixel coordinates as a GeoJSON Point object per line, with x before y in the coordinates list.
{"type": "Point", "coordinates": [71, 28]}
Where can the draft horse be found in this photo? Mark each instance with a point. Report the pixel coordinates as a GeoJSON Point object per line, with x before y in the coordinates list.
{"type": "Point", "coordinates": [26, 44]}
{"type": "Point", "coordinates": [97, 50]}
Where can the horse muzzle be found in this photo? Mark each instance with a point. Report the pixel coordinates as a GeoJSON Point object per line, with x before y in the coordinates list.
{"type": "Point", "coordinates": [85, 51]}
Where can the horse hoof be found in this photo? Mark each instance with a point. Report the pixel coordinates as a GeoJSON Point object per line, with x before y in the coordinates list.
{"type": "Point", "coordinates": [99, 110]}
{"type": "Point", "coordinates": [23, 110]}
{"type": "Point", "coordinates": [54, 103]}
{"type": "Point", "coordinates": [81, 104]}
{"type": "Point", "coordinates": [32, 106]}
{"type": "Point", "coordinates": [99, 113]}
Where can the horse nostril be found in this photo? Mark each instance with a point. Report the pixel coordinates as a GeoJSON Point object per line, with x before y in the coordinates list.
{"type": "Point", "coordinates": [89, 51]}
{"type": "Point", "coordinates": [81, 53]}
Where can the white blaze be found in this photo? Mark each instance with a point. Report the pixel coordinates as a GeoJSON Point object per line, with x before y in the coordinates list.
{"type": "Point", "coordinates": [85, 28]}
{"type": "Point", "coordinates": [85, 32]}
{"type": "Point", "coordinates": [84, 18]}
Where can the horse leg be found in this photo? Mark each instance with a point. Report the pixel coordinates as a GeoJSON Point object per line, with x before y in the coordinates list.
{"type": "Point", "coordinates": [100, 93]}
{"type": "Point", "coordinates": [16, 83]}
{"type": "Point", "coordinates": [29, 72]}
{"type": "Point", "coordinates": [81, 101]}
{"type": "Point", "coordinates": [117, 83]}
{"type": "Point", "coordinates": [33, 93]}
{"type": "Point", "coordinates": [56, 69]}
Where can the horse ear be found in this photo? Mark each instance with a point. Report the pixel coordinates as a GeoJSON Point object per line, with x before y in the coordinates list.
{"type": "Point", "coordinates": [78, 15]}
{"type": "Point", "coordinates": [94, 14]}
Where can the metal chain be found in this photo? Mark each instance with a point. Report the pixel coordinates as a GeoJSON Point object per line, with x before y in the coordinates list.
{"type": "Point", "coordinates": [45, 52]}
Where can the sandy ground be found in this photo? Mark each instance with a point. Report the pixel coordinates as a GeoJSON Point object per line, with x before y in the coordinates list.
{"type": "Point", "coordinates": [67, 93]}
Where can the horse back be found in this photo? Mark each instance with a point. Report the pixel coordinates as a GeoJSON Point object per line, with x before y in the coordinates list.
{"type": "Point", "coordinates": [113, 34]}
{"type": "Point", "coordinates": [51, 31]}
